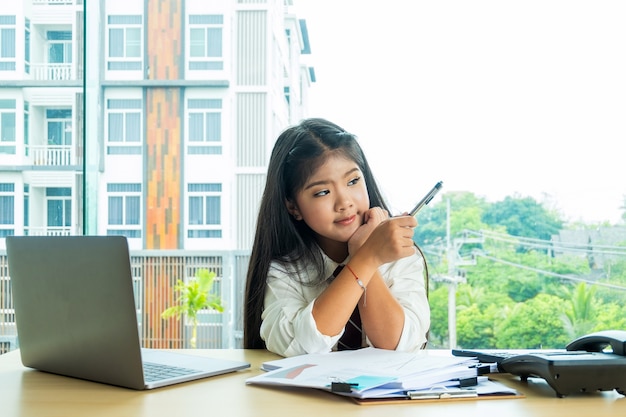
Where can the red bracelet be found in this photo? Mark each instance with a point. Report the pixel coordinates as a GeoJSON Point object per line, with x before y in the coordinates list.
{"type": "Point", "coordinates": [358, 281]}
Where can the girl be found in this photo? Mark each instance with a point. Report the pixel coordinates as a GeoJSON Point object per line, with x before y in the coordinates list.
{"type": "Point", "coordinates": [322, 210]}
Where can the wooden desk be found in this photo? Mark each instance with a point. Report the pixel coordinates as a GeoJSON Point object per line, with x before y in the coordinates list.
{"type": "Point", "coordinates": [25, 392]}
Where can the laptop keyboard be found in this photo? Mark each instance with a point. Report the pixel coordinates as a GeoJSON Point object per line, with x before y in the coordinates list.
{"type": "Point", "coordinates": [158, 371]}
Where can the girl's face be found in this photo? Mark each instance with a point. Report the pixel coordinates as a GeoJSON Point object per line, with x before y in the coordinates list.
{"type": "Point", "coordinates": [332, 203]}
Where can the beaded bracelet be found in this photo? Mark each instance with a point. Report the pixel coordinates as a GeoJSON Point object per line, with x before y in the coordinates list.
{"type": "Point", "coordinates": [358, 281]}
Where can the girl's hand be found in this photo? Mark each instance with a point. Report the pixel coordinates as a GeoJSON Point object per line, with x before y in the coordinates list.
{"type": "Point", "coordinates": [371, 219]}
{"type": "Point", "coordinates": [389, 240]}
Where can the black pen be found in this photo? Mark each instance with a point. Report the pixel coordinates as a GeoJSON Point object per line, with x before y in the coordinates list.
{"type": "Point", "coordinates": [426, 198]}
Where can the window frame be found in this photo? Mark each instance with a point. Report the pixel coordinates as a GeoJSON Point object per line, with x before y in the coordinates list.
{"type": "Point", "coordinates": [203, 193]}
{"type": "Point", "coordinates": [8, 142]}
{"type": "Point", "coordinates": [125, 107]}
{"type": "Point", "coordinates": [207, 144]}
{"type": "Point", "coordinates": [207, 60]}
{"type": "Point", "coordinates": [125, 192]}
{"type": "Point", "coordinates": [8, 61]}
{"type": "Point", "coordinates": [125, 24]}
{"type": "Point", "coordinates": [7, 217]}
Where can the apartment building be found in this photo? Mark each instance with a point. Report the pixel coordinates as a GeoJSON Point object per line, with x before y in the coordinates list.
{"type": "Point", "coordinates": [151, 119]}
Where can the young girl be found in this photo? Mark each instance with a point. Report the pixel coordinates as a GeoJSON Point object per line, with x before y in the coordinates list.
{"type": "Point", "coordinates": [326, 248]}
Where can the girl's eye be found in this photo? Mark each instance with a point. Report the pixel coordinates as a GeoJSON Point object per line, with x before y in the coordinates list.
{"type": "Point", "coordinates": [321, 193]}
{"type": "Point", "coordinates": [354, 181]}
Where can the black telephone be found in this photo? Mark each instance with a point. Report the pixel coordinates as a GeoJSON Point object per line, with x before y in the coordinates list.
{"type": "Point", "coordinates": [594, 362]}
{"type": "Point", "coordinates": [586, 365]}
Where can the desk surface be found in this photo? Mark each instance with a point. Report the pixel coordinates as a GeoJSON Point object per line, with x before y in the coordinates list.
{"type": "Point", "coordinates": [25, 392]}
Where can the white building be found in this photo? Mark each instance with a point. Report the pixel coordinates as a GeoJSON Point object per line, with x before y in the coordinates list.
{"type": "Point", "coordinates": [184, 99]}
{"type": "Point", "coordinates": [152, 119]}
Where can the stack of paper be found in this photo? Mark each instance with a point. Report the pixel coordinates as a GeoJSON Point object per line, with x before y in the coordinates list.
{"type": "Point", "coordinates": [371, 372]}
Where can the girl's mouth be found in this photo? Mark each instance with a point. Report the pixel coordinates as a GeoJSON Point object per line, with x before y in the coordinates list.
{"type": "Point", "coordinates": [347, 220]}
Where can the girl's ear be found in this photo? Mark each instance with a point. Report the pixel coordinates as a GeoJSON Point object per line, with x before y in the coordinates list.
{"type": "Point", "coordinates": [292, 208]}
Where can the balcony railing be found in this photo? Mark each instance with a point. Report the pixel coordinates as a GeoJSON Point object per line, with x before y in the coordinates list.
{"type": "Point", "coordinates": [49, 231]}
{"type": "Point", "coordinates": [51, 155]}
{"type": "Point", "coordinates": [53, 2]}
{"type": "Point", "coordinates": [52, 72]}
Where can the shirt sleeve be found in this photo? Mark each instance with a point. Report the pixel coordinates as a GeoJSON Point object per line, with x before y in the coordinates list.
{"type": "Point", "coordinates": [288, 327]}
{"type": "Point", "coordinates": [405, 279]}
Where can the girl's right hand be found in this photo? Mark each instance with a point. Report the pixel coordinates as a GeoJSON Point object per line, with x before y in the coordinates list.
{"type": "Point", "coordinates": [389, 241]}
{"type": "Point", "coordinates": [371, 219]}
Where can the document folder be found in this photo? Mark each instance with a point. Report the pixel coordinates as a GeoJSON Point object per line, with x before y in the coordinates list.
{"type": "Point", "coordinates": [370, 374]}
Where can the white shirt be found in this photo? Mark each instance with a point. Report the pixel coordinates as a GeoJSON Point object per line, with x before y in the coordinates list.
{"type": "Point", "coordinates": [288, 327]}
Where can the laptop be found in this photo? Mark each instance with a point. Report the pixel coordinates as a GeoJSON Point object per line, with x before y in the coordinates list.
{"type": "Point", "coordinates": [75, 315]}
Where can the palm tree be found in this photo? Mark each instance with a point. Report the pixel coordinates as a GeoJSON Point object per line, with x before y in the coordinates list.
{"type": "Point", "coordinates": [194, 296]}
{"type": "Point", "coordinates": [580, 315]}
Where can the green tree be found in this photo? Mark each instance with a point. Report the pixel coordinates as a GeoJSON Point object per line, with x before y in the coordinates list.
{"type": "Point", "coordinates": [610, 316]}
{"type": "Point", "coordinates": [533, 324]}
{"type": "Point", "coordinates": [438, 333]}
{"type": "Point", "coordinates": [523, 217]}
{"type": "Point", "coordinates": [475, 328]}
{"type": "Point", "coordinates": [579, 317]}
{"type": "Point", "coordinates": [465, 213]}
{"type": "Point", "coordinates": [194, 296]}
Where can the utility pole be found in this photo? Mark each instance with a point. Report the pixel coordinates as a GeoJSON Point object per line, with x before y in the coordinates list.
{"type": "Point", "coordinates": [454, 276]}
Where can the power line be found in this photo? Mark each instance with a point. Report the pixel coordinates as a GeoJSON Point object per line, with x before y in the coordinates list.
{"type": "Point", "coordinates": [550, 244]}
{"type": "Point", "coordinates": [548, 273]}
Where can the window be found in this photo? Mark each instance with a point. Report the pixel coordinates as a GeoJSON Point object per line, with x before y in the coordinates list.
{"type": "Point", "coordinates": [125, 42]}
{"type": "Point", "coordinates": [124, 210]}
{"type": "Point", "coordinates": [205, 212]}
{"type": "Point", "coordinates": [27, 46]}
{"type": "Point", "coordinates": [124, 126]}
{"type": "Point", "coordinates": [205, 42]}
{"type": "Point", "coordinates": [7, 209]}
{"type": "Point", "coordinates": [59, 125]}
{"type": "Point", "coordinates": [59, 47]}
{"type": "Point", "coordinates": [59, 208]}
{"type": "Point", "coordinates": [7, 43]}
{"type": "Point", "coordinates": [26, 205]}
{"type": "Point", "coordinates": [7, 126]}
{"type": "Point", "coordinates": [205, 126]}
{"type": "Point", "coordinates": [26, 124]}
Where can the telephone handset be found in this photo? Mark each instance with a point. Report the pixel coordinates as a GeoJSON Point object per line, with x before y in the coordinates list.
{"type": "Point", "coordinates": [600, 341]}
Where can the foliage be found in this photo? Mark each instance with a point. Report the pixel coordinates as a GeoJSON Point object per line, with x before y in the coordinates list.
{"type": "Point", "coordinates": [193, 297]}
{"type": "Point", "coordinates": [580, 311]}
{"type": "Point", "coordinates": [467, 209]}
{"type": "Point", "coordinates": [610, 316]}
{"type": "Point", "coordinates": [475, 327]}
{"type": "Point", "coordinates": [534, 324]}
{"type": "Point", "coordinates": [523, 217]}
{"type": "Point", "coordinates": [438, 300]}
{"type": "Point", "coordinates": [517, 295]}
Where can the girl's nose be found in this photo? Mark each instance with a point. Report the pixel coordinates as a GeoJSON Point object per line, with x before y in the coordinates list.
{"type": "Point", "coordinates": [343, 201]}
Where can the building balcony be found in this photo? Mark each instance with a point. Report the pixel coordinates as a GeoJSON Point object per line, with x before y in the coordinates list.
{"type": "Point", "coordinates": [49, 231]}
{"type": "Point", "coordinates": [55, 2]}
{"type": "Point", "coordinates": [52, 72]}
{"type": "Point", "coordinates": [51, 155]}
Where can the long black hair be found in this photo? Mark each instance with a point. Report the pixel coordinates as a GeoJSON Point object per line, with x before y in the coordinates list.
{"type": "Point", "coordinates": [297, 153]}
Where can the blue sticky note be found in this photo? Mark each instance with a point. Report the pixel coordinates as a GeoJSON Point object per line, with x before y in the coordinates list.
{"type": "Point", "coordinates": [369, 381]}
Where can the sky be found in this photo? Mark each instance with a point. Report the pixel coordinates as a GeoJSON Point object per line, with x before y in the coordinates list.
{"type": "Point", "coordinates": [496, 97]}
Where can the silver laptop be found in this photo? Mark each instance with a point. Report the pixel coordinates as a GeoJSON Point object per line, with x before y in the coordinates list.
{"type": "Point", "coordinates": [75, 314]}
